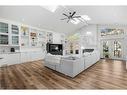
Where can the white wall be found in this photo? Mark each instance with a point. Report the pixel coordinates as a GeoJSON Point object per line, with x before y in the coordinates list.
{"type": "Point", "coordinates": [57, 38]}
{"type": "Point", "coordinates": [86, 37]}
{"type": "Point", "coordinates": [89, 36]}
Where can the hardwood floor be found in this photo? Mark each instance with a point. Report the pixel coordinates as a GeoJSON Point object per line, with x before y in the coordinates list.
{"type": "Point", "coordinates": [106, 74]}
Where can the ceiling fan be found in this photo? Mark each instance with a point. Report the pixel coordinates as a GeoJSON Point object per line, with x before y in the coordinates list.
{"type": "Point", "coordinates": [70, 16]}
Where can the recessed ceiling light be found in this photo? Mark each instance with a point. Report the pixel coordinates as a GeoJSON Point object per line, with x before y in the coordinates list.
{"type": "Point", "coordinates": [51, 8]}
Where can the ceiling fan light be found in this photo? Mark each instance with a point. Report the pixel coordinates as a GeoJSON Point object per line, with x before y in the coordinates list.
{"type": "Point", "coordinates": [75, 22]}
{"type": "Point", "coordinates": [85, 17]}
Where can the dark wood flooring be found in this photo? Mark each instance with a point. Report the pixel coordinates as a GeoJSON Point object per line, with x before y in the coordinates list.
{"type": "Point", "coordinates": [105, 74]}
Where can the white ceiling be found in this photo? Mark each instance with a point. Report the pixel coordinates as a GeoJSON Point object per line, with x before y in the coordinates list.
{"type": "Point", "coordinates": [39, 17]}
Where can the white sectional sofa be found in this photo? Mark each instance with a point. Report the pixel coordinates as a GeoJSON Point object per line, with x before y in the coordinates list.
{"type": "Point", "coordinates": [71, 65]}
{"type": "Point", "coordinates": [91, 58]}
{"type": "Point", "coordinates": [52, 61]}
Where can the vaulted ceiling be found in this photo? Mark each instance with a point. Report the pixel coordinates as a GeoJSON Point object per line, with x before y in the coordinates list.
{"type": "Point", "coordinates": [38, 16]}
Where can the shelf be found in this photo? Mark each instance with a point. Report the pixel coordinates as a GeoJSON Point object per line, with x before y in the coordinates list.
{"type": "Point", "coordinates": [3, 33]}
{"type": "Point", "coordinates": [25, 36]}
{"type": "Point", "coordinates": [15, 35]}
{"type": "Point", "coordinates": [4, 45]}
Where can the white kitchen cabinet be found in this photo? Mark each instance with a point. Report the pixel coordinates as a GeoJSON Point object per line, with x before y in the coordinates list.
{"type": "Point", "coordinates": [36, 55]}
{"type": "Point", "coordinates": [24, 57]}
{"type": "Point", "coordinates": [31, 56]}
{"type": "Point", "coordinates": [16, 58]}
{"type": "Point", "coordinates": [2, 60]}
{"type": "Point", "coordinates": [2, 63]}
{"type": "Point", "coordinates": [10, 59]}
{"type": "Point", "coordinates": [13, 58]}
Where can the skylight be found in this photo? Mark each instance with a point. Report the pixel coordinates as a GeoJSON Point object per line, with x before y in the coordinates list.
{"type": "Point", "coordinates": [51, 8]}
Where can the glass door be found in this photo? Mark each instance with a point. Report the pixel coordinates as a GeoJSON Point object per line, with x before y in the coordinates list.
{"type": "Point", "coordinates": [112, 49]}
{"type": "Point", "coordinates": [117, 49]}
{"type": "Point", "coordinates": [106, 49]}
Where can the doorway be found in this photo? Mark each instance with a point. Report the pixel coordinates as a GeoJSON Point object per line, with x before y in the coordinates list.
{"type": "Point", "coordinates": [112, 48]}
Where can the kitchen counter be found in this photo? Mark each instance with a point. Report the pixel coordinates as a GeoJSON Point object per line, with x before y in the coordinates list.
{"type": "Point", "coordinates": [9, 52]}
{"type": "Point", "coordinates": [18, 57]}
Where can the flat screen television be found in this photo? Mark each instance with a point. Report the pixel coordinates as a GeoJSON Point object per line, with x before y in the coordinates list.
{"type": "Point", "coordinates": [88, 50]}
{"type": "Point", "coordinates": [55, 49]}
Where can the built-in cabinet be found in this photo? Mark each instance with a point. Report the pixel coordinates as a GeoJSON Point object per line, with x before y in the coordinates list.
{"type": "Point", "coordinates": [9, 34]}
{"type": "Point", "coordinates": [29, 42]}
{"type": "Point", "coordinates": [9, 59]}
{"type": "Point", "coordinates": [16, 58]}
{"type": "Point", "coordinates": [14, 34]}
{"type": "Point", "coordinates": [21, 35]}
{"type": "Point", "coordinates": [4, 34]}
{"type": "Point", "coordinates": [24, 36]}
{"type": "Point", "coordinates": [31, 56]}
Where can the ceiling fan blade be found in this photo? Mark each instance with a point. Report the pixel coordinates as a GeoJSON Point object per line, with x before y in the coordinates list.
{"type": "Point", "coordinates": [68, 20]}
{"type": "Point", "coordinates": [65, 15]}
{"type": "Point", "coordinates": [63, 18]}
{"type": "Point", "coordinates": [76, 17]}
{"type": "Point", "coordinates": [73, 14]}
{"type": "Point", "coordinates": [83, 21]}
{"type": "Point", "coordinates": [73, 19]}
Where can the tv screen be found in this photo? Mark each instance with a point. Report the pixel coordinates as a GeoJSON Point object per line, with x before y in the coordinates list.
{"type": "Point", "coordinates": [56, 49]}
{"type": "Point", "coordinates": [88, 50]}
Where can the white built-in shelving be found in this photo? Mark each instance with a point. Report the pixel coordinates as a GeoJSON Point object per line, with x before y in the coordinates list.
{"type": "Point", "coordinates": [4, 33]}
{"type": "Point", "coordinates": [24, 34]}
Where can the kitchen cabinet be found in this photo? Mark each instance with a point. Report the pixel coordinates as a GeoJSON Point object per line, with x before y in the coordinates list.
{"type": "Point", "coordinates": [13, 58]}
{"type": "Point", "coordinates": [25, 57]}
{"type": "Point", "coordinates": [2, 60]}
{"type": "Point", "coordinates": [16, 58]}
{"type": "Point", "coordinates": [36, 55]}
{"type": "Point", "coordinates": [10, 59]}
{"type": "Point", "coordinates": [31, 56]}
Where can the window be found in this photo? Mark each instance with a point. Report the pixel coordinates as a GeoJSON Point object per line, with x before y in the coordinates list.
{"type": "Point", "coordinates": [106, 32]}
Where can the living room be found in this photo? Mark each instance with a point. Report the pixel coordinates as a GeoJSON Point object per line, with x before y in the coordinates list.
{"type": "Point", "coordinates": [63, 47]}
